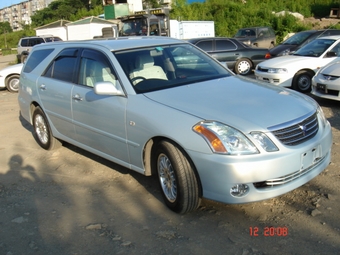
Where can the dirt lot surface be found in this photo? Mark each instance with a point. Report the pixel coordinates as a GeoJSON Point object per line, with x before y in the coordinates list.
{"type": "Point", "coordinates": [69, 201]}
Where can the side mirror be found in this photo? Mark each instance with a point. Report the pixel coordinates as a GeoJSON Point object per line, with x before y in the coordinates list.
{"type": "Point", "coordinates": [107, 88]}
{"type": "Point", "coordinates": [331, 54]}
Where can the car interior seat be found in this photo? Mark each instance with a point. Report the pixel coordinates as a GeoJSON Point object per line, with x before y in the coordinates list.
{"type": "Point", "coordinates": [145, 68]}
{"type": "Point", "coordinates": [99, 73]}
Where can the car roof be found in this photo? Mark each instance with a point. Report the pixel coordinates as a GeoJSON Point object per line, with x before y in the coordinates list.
{"type": "Point", "coordinates": [208, 38]}
{"type": "Point", "coordinates": [254, 27]}
{"type": "Point", "coordinates": [334, 37]}
{"type": "Point", "coordinates": [116, 44]}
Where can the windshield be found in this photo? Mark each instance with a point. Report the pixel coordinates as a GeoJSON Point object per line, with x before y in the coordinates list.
{"type": "Point", "coordinates": [315, 48]}
{"type": "Point", "coordinates": [162, 67]}
{"type": "Point", "coordinates": [133, 27]}
{"type": "Point", "coordinates": [297, 39]}
{"type": "Point", "coordinates": [245, 33]}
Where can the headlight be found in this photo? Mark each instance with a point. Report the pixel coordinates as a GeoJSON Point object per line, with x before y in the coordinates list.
{"type": "Point", "coordinates": [321, 116]}
{"type": "Point", "coordinates": [225, 139]}
{"type": "Point", "coordinates": [277, 70]}
{"type": "Point", "coordinates": [284, 53]}
{"type": "Point", "coordinates": [264, 141]}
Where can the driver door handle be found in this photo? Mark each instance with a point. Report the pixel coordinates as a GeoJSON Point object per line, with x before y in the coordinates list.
{"type": "Point", "coordinates": [77, 97]}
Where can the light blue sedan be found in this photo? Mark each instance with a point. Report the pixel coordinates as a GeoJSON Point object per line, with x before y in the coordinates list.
{"type": "Point", "coordinates": [161, 106]}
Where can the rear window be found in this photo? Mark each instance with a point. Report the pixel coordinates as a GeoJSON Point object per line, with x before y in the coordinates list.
{"type": "Point", "coordinates": [35, 59]}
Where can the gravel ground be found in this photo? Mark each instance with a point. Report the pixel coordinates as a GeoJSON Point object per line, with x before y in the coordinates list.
{"type": "Point", "coordinates": [69, 201]}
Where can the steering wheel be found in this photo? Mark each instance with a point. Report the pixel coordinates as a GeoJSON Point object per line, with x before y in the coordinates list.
{"type": "Point", "coordinates": [138, 78]}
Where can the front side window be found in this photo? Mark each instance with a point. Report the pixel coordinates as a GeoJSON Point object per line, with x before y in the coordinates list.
{"type": "Point", "coordinates": [163, 66]}
{"type": "Point", "coordinates": [94, 68]}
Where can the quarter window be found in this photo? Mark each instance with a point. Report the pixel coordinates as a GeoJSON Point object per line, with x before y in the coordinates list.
{"type": "Point", "coordinates": [35, 59]}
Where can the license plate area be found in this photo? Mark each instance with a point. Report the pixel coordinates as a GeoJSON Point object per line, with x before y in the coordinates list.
{"type": "Point", "coordinates": [310, 158]}
{"type": "Point", "coordinates": [321, 88]}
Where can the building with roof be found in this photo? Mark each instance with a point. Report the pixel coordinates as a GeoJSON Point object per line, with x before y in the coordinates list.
{"type": "Point", "coordinates": [18, 15]}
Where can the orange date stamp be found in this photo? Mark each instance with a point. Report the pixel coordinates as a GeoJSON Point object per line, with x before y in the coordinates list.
{"type": "Point", "coordinates": [268, 231]}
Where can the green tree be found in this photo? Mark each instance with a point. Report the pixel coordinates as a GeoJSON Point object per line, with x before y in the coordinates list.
{"type": "Point", "coordinates": [5, 27]}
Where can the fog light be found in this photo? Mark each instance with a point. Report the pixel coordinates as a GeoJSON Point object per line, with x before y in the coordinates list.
{"type": "Point", "coordinates": [239, 190]}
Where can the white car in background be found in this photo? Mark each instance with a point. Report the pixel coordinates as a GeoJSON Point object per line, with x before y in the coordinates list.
{"type": "Point", "coordinates": [297, 70]}
{"type": "Point", "coordinates": [9, 77]}
{"type": "Point", "coordinates": [326, 82]}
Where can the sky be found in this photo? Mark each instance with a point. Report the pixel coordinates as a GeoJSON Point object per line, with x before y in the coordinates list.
{"type": "Point", "coordinates": [6, 3]}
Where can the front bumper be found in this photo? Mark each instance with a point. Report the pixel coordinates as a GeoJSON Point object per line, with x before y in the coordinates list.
{"type": "Point", "coordinates": [2, 81]}
{"type": "Point", "coordinates": [282, 80]}
{"type": "Point", "coordinates": [219, 173]}
{"type": "Point", "coordinates": [323, 88]}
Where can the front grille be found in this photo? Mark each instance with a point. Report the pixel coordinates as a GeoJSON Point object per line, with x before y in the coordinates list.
{"type": "Point", "coordinates": [330, 77]}
{"type": "Point", "coordinates": [262, 69]}
{"type": "Point", "coordinates": [288, 178]}
{"type": "Point", "coordinates": [298, 133]}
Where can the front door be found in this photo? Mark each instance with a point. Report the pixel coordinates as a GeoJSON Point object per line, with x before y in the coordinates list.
{"type": "Point", "coordinates": [99, 120]}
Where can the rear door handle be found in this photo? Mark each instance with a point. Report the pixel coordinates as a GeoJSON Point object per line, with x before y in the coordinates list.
{"type": "Point", "coordinates": [42, 87]}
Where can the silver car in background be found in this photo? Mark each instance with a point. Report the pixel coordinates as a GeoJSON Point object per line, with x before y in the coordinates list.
{"type": "Point", "coordinates": [326, 82]}
{"type": "Point", "coordinates": [161, 106]}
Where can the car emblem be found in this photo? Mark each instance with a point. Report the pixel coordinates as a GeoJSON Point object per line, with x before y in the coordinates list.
{"type": "Point", "coordinates": [303, 129]}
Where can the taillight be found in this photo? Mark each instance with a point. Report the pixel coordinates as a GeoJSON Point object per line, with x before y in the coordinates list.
{"type": "Point", "coordinates": [267, 56]}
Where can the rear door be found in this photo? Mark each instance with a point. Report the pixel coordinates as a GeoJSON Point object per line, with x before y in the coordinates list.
{"type": "Point", "coordinates": [54, 88]}
{"type": "Point", "coordinates": [226, 52]}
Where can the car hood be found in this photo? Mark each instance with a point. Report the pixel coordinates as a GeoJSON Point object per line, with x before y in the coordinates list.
{"type": "Point", "coordinates": [281, 48]}
{"type": "Point", "coordinates": [332, 69]}
{"type": "Point", "coordinates": [287, 61]}
{"type": "Point", "coordinates": [12, 69]}
{"type": "Point", "coordinates": [240, 102]}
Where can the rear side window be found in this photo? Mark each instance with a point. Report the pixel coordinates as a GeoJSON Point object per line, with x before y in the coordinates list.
{"type": "Point", "coordinates": [35, 59]}
{"type": "Point", "coordinates": [222, 45]}
{"type": "Point", "coordinates": [64, 66]}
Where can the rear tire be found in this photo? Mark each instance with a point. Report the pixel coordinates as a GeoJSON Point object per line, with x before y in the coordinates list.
{"type": "Point", "coordinates": [42, 131]}
{"type": "Point", "coordinates": [302, 81]}
{"type": "Point", "coordinates": [177, 179]}
{"type": "Point", "coordinates": [23, 58]}
{"type": "Point", "coordinates": [12, 83]}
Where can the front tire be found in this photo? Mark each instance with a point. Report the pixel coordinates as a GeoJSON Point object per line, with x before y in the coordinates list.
{"type": "Point", "coordinates": [243, 66]}
{"type": "Point", "coordinates": [302, 81]}
{"type": "Point", "coordinates": [12, 83]}
{"type": "Point", "coordinates": [177, 179]}
{"type": "Point", "coordinates": [42, 131]}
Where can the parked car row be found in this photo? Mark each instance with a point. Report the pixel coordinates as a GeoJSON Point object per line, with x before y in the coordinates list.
{"type": "Point", "coordinates": [161, 106]}
{"type": "Point", "coordinates": [25, 45]}
{"type": "Point", "coordinates": [297, 70]}
{"type": "Point", "coordinates": [9, 77]}
{"type": "Point", "coordinates": [237, 56]}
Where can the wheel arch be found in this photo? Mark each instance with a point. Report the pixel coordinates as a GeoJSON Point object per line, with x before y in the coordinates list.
{"type": "Point", "coordinates": [311, 71]}
{"type": "Point", "coordinates": [33, 105]}
{"type": "Point", "coordinates": [148, 154]}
